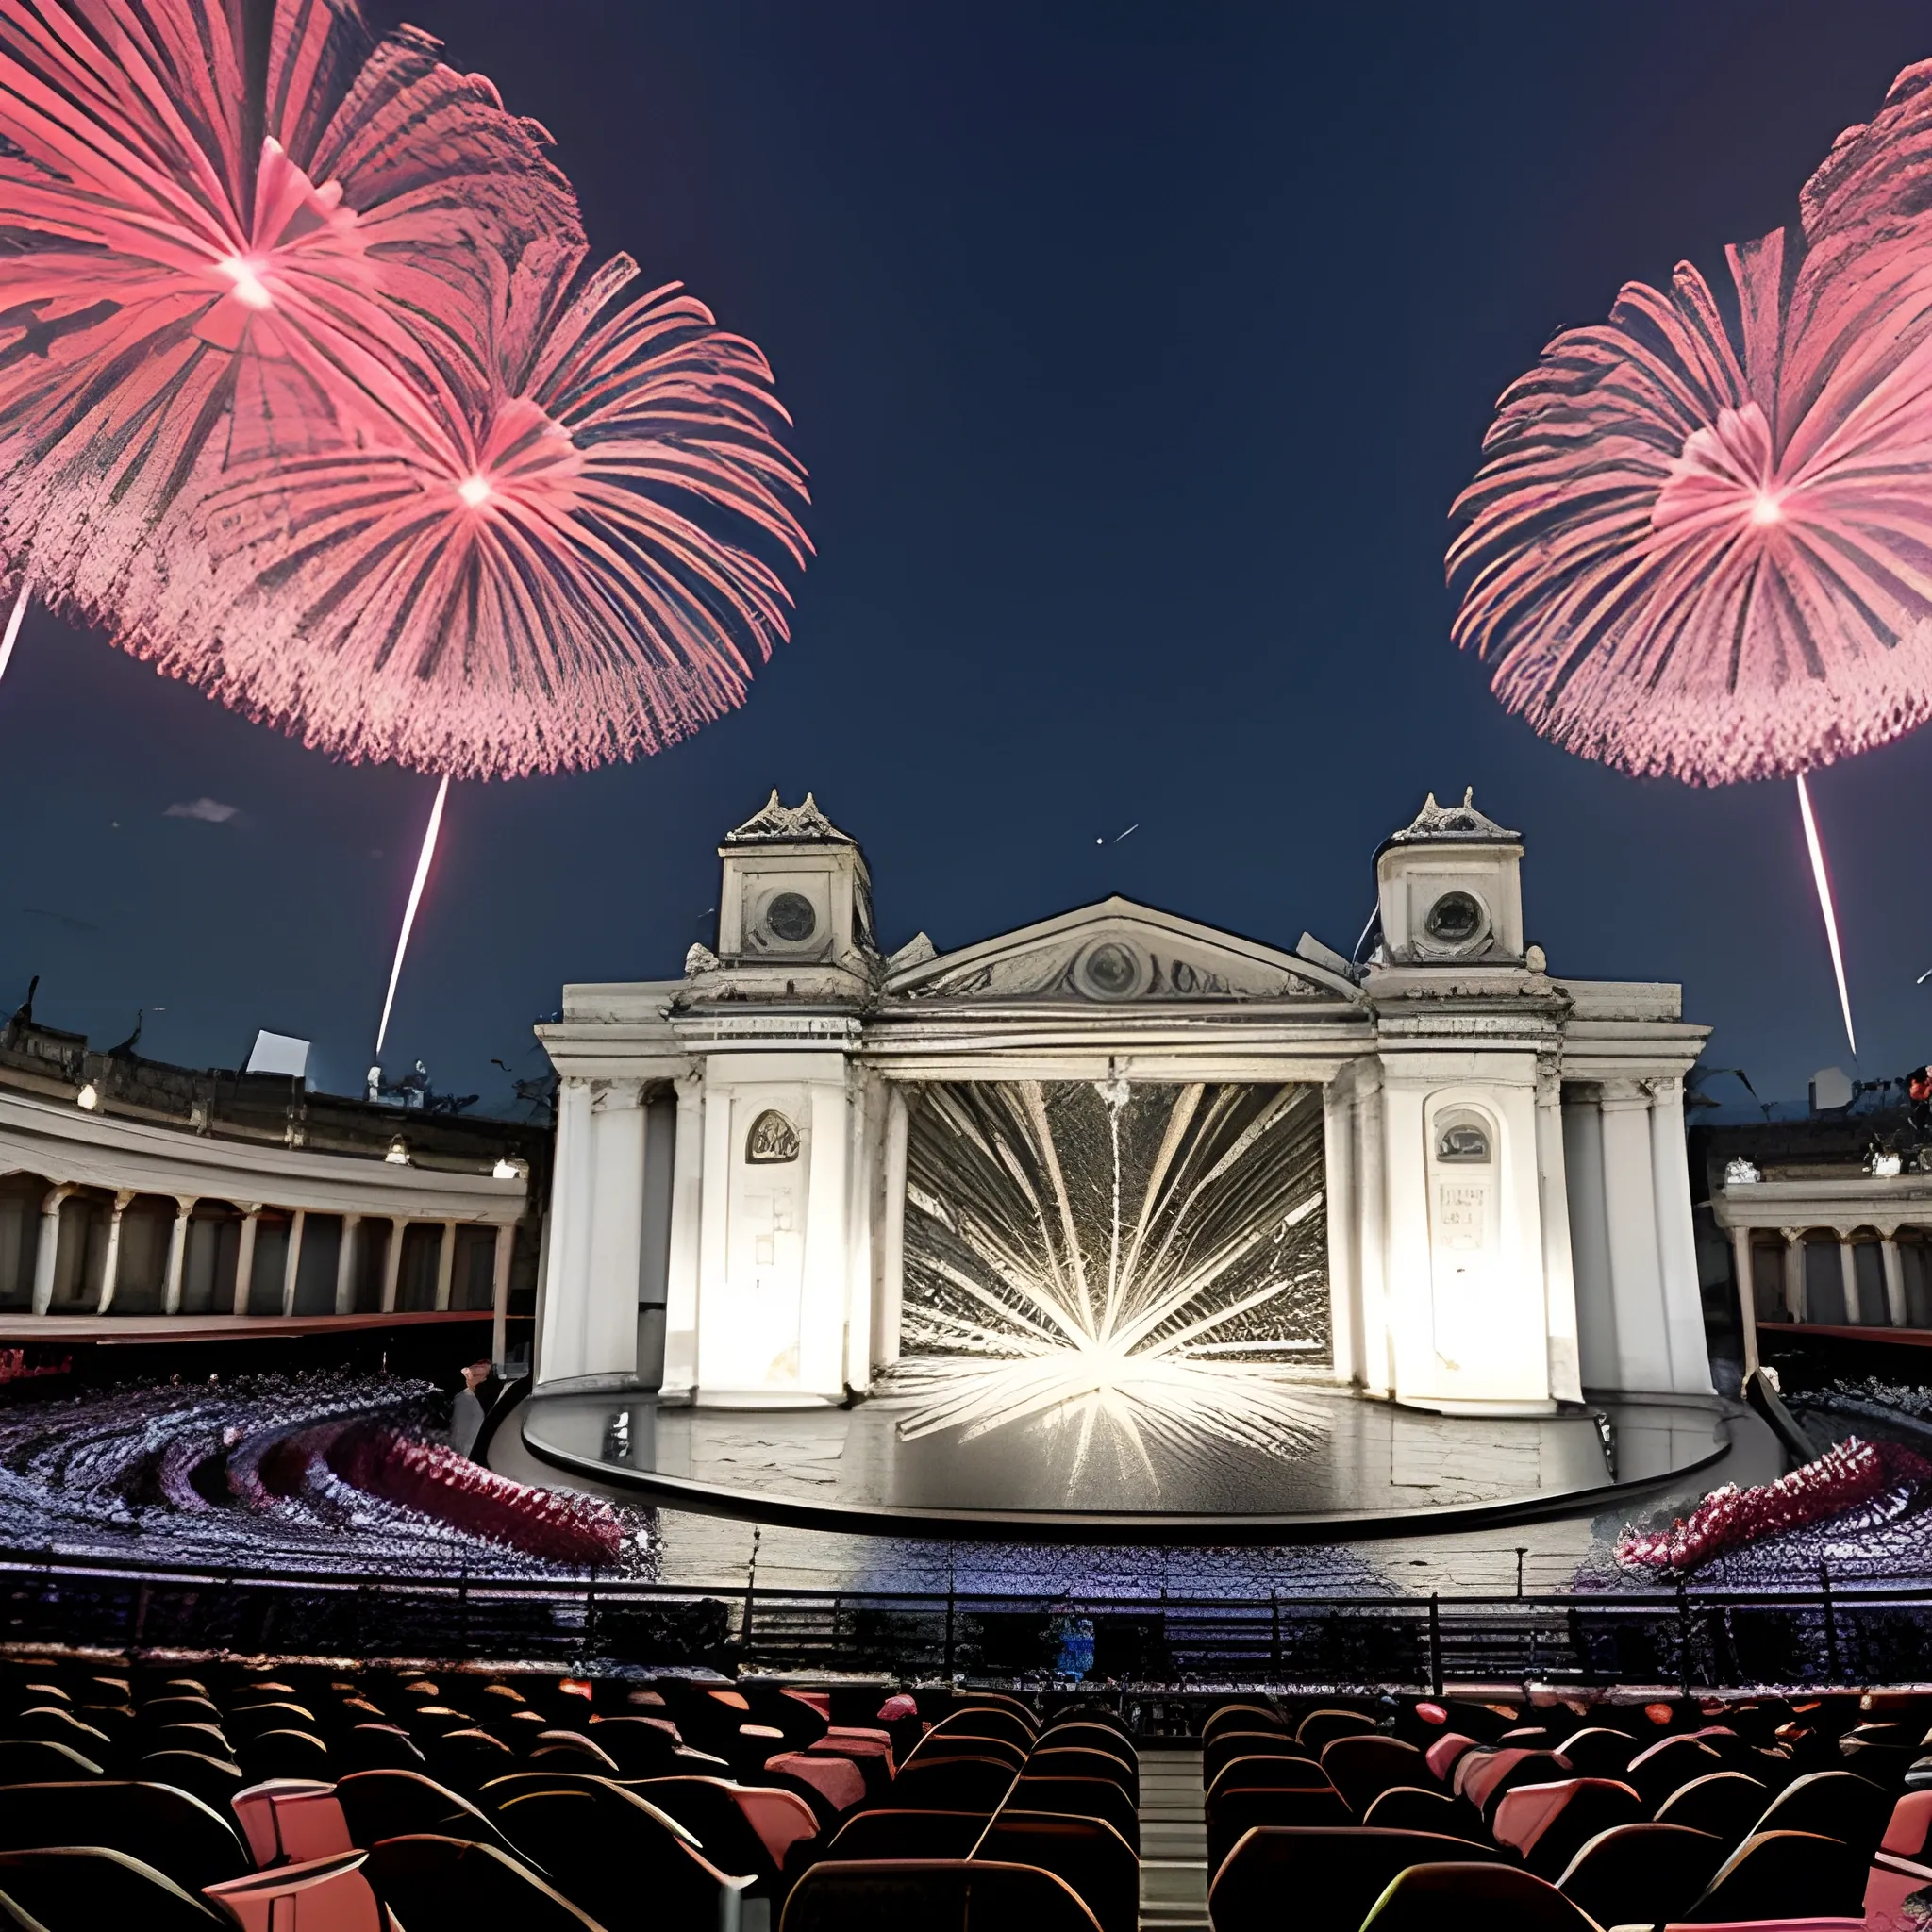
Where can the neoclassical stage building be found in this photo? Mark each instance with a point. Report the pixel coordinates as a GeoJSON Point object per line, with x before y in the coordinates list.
{"type": "Point", "coordinates": [1447, 1176]}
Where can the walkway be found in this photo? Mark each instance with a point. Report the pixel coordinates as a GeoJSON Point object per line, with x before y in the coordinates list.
{"type": "Point", "coordinates": [1173, 1837]}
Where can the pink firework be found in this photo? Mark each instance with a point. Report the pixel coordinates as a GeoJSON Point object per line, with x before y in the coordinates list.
{"type": "Point", "coordinates": [1700, 543]}
{"type": "Point", "coordinates": [234, 230]}
{"type": "Point", "coordinates": [578, 559]}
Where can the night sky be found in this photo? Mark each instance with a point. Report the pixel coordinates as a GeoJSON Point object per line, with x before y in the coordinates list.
{"type": "Point", "coordinates": [1136, 352]}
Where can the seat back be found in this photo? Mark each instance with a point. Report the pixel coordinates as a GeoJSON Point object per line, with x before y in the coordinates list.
{"type": "Point", "coordinates": [885, 1834]}
{"type": "Point", "coordinates": [1270, 1773]}
{"type": "Point", "coordinates": [326, 1894]}
{"type": "Point", "coordinates": [1673, 1762]}
{"type": "Point", "coordinates": [986, 1720]}
{"type": "Point", "coordinates": [429, 1881]}
{"type": "Point", "coordinates": [781, 1819]}
{"type": "Point", "coordinates": [1427, 1898]}
{"type": "Point", "coordinates": [1089, 1853]}
{"type": "Point", "coordinates": [1548, 1824]}
{"type": "Point", "coordinates": [1446, 1752]}
{"type": "Point", "coordinates": [212, 1779]}
{"type": "Point", "coordinates": [1363, 1765]}
{"type": "Point", "coordinates": [1488, 1788]}
{"type": "Point", "coordinates": [710, 1810]}
{"type": "Point", "coordinates": [934, 1895]}
{"type": "Point", "coordinates": [394, 1804]}
{"type": "Point", "coordinates": [1638, 1873]}
{"type": "Point", "coordinates": [640, 1747]}
{"type": "Point", "coordinates": [1233, 1813]}
{"type": "Point", "coordinates": [938, 1744]}
{"type": "Point", "coordinates": [1596, 1751]}
{"type": "Point", "coordinates": [1789, 1874]}
{"type": "Point", "coordinates": [1725, 1802]}
{"type": "Point", "coordinates": [1834, 1804]}
{"type": "Point", "coordinates": [1088, 1734]}
{"type": "Point", "coordinates": [292, 1822]}
{"type": "Point", "coordinates": [1075, 1761]}
{"type": "Point", "coordinates": [1079, 1797]}
{"type": "Point", "coordinates": [1321, 1727]}
{"type": "Point", "coordinates": [1229, 1743]}
{"type": "Point", "coordinates": [1420, 1808]}
{"type": "Point", "coordinates": [605, 1849]}
{"type": "Point", "coordinates": [953, 1784]}
{"type": "Point", "coordinates": [34, 1761]}
{"type": "Point", "coordinates": [1242, 1717]}
{"type": "Point", "coordinates": [171, 1830]}
{"type": "Point", "coordinates": [1333, 1877]}
{"type": "Point", "coordinates": [91, 1886]}
{"type": "Point", "coordinates": [1910, 1826]}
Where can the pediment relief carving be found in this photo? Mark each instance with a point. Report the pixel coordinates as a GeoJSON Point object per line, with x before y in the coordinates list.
{"type": "Point", "coordinates": [1116, 963]}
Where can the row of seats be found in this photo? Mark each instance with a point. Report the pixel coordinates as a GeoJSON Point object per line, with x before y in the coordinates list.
{"type": "Point", "coordinates": [310, 1799]}
{"type": "Point", "coordinates": [1576, 1818]}
{"type": "Point", "coordinates": [304, 1798]}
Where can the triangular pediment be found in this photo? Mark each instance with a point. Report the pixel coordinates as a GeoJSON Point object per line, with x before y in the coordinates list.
{"type": "Point", "coordinates": [1117, 953]}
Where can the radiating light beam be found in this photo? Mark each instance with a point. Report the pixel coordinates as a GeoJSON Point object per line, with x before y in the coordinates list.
{"type": "Point", "coordinates": [395, 971]}
{"type": "Point", "coordinates": [1824, 885]}
{"type": "Point", "coordinates": [13, 623]}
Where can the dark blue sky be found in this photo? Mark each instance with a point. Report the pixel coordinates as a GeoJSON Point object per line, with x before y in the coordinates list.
{"type": "Point", "coordinates": [1137, 351]}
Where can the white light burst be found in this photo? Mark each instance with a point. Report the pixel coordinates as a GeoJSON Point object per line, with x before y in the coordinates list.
{"type": "Point", "coordinates": [1151, 1257]}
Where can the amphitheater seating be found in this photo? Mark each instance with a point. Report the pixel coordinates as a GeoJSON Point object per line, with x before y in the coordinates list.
{"type": "Point", "coordinates": [226, 1795]}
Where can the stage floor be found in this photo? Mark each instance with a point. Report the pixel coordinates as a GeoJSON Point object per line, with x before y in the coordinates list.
{"type": "Point", "coordinates": [1376, 1469]}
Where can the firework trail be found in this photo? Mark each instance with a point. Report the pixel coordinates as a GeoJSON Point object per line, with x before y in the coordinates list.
{"type": "Point", "coordinates": [1700, 543]}
{"type": "Point", "coordinates": [416, 885]}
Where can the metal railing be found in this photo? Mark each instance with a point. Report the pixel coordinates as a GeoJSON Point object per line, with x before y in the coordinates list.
{"type": "Point", "coordinates": [1689, 1638]}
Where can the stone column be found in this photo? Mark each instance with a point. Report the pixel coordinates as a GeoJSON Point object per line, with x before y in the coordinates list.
{"type": "Point", "coordinates": [1553, 1197]}
{"type": "Point", "coordinates": [687, 1208]}
{"type": "Point", "coordinates": [1676, 1241]}
{"type": "Point", "coordinates": [1848, 1271]}
{"type": "Point", "coordinates": [1743, 1267]}
{"type": "Point", "coordinates": [445, 1265]}
{"type": "Point", "coordinates": [392, 1263]}
{"type": "Point", "coordinates": [47, 1254]}
{"type": "Point", "coordinates": [885, 1343]}
{"type": "Point", "coordinates": [177, 1253]}
{"type": "Point", "coordinates": [245, 1257]}
{"type": "Point", "coordinates": [1636, 1288]}
{"type": "Point", "coordinates": [1795, 1273]}
{"type": "Point", "coordinates": [499, 1293]}
{"type": "Point", "coordinates": [1590, 1238]}
{"type": "Point", "coordinates": [292, 1262]}
{"type": "Point", "coordinates": [1378, 1342]}
{"type": "Point", "coordinates": [1894, 1279]}
{"type": "Point", "coordinates": [573, 1200]}
{"type": "Point", "coordinates": [1344, 1287]}
{"type": "Point", "coordinates": [110, 1267]}
{"type": "Point", "coordinates": [347, 1258]}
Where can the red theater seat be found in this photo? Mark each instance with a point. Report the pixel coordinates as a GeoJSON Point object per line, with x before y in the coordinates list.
{"type": "Point", "coordinates": [1836, 1804]}
{"type": "Point", "coordinates": [1546, 1825]}
{"type": "Point", "coordinates": [933, 1895]}
{"type": "Point", "coordinates": [82, 1888]}
{"type": "Point", "coordinates": [1079, 1797]}
{"type": "Point", "coordinates": [1090, 1855]}
{"type": "Point", "coordinates": [327, 1894]}
{"type": "Point", "coordinates": [291, 1823]}
{"type": "Point", "coordinates": [1443, 1754]}
{"type": "Point", "coordinates": [838, 1780]}
{"type": "Point", "coordinates": [1363, 1766]}
{"type": "Point", "coordinates": [450, 1885]}
{"type": "Point", "coordinates": [1320, 1880]}
{"type": "Point", "coordinates": [1638, 1873]}
{"type": "Point", "coordinates": [1420, 1808]}
{"type": "Point", "coordinates": [1497, 1898]}
{"type": "Point", "coordinates": [1321, 1727]}
{"type": "Point", "coordinates": [1725, 1803]}
{"type": "Point", "coordinates": [1784, 1875]}
{"type": "Point", "coordinates": [907, 1835]}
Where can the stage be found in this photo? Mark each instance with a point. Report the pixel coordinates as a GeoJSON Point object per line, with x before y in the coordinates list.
{"type": "Point", "coordinates": [1376, 1469]}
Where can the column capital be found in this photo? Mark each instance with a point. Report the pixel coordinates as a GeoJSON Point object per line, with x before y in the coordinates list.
{"type": "Point", "coordinates": [1623, 1096]}
{"type": "Point", "coordinates": [1793, 1235]}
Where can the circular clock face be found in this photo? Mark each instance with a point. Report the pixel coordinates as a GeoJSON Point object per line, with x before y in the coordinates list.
{"type": "Point", "coordinates": [789, 917]}
{"type": "Point", "coordinates": [1455, 919]}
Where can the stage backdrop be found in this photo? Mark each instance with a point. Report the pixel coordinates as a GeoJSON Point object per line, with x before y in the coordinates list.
{"type": "Point", "coordinates": [1173, 1219]}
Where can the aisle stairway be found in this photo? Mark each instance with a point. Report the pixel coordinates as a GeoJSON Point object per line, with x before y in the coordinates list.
{"type": "Point", "coordinates": [1174, 1839]}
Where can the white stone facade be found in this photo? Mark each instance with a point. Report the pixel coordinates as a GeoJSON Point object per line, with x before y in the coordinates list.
{"type": "Point", "coordinates": [1506, 1198]}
